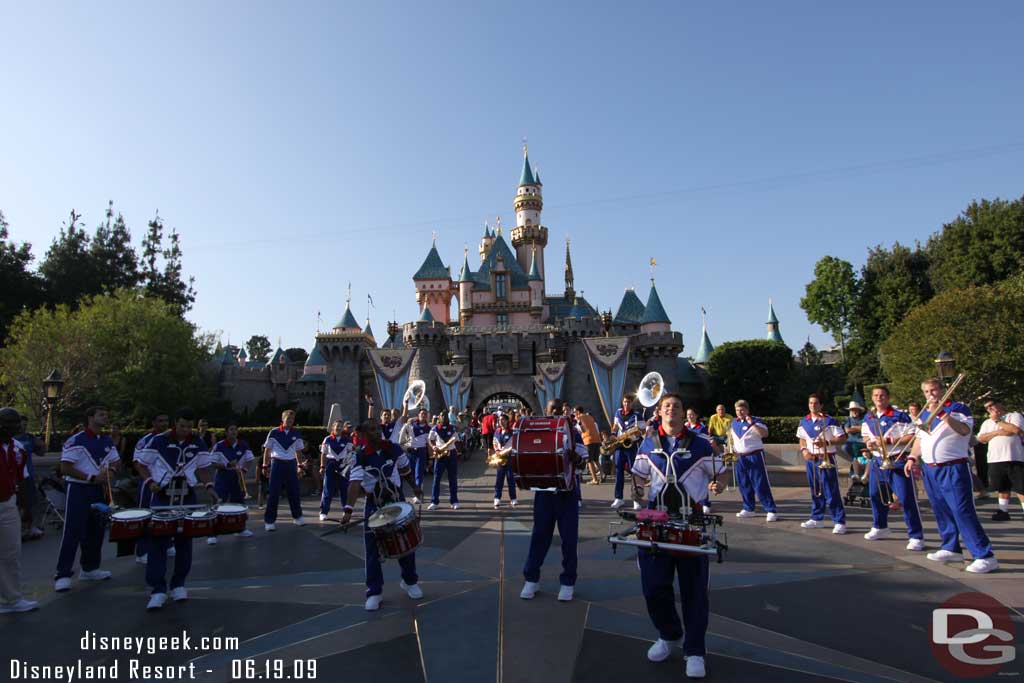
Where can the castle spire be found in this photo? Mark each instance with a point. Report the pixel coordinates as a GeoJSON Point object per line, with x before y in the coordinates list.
{"type": "Point", "coordinates": [570, 290]}
{"type": "Point", "coordinates": [526, 178]}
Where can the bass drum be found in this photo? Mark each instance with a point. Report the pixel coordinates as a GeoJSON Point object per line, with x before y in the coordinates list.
{"type": "Point", "coordinates": [543, 454]}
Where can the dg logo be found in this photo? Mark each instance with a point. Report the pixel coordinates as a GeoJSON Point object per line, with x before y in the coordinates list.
{"type": "Point", "coordinates": [972, 635]}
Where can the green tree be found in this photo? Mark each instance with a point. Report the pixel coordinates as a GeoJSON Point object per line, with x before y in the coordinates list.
{"type": "Point", "coordinates": [983, 245]}
{"type": "Point", "coordinates": [259, 348]}
{"type": "Point", "coordinates": [981, 326]}
{"type": "Point", "coordinates": [21, 288]}
{"type": "Point", "coordinates": [113, 255]}
{"type": "Point", "coordinates": [296, 355]}
{"type": "Point", "coordinates": [68, 269]}
{"type": "Point", "coordinates": [754, 370]}
{"type": "Point", "coordinates": [162, 268]}
{"type": "Point", "coordinates": [831, 298]}
{"type": "Point", "coordinates": [135, 355]}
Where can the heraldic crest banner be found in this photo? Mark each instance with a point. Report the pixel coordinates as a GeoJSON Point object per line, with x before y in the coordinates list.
{"type": "Point", "coordinates": [541, 390]}
{"type": "Point", "coordinates": [391, 368]}
{"type": "Point", "coordinates": [553, 376]}
{"type": "Point", "coordinates": [464, 386]}
{"type": "Point", "coordinates": [450, 376]}
{"type": "Point", "coordinates": [609, 357]}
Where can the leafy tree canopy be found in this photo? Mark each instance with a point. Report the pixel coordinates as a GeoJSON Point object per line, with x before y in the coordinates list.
{"type": "Point", "coordinates": [258, 348]}
{"type": "Point", "coordinates": [831, 298]}
{"type": "Point", "coordinates": [21, 288]}
{"type": "Point", "coordinates": [983, 245]}
{"type": "Point", "coordinates": [754, 370]}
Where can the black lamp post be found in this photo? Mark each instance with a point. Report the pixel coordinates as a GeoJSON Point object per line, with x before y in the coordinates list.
{"type": "Point", "coordinates": [52, 387]}
{"type": "Point", "coordinates": [945, 363]}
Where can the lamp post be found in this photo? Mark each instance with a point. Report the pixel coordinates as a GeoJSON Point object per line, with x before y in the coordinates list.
{"type": "Point", "coordinates": [945, 363]}
{"type": "Point", "coordinates": [52, 387]}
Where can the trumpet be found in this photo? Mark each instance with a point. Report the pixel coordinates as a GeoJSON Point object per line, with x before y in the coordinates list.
{"type": "Point", "coordinates": [438, 452]}
{"type": "Point", "coordinates": [626, 439]}
{"type": "Point", "coordinates": [500, 458]}
{"type": "Point", "coordinates": [821, 442]}
{"type": "Point", "coordinates": [939, 410]}
{"type": "Point", "coordinates": [885, 495]}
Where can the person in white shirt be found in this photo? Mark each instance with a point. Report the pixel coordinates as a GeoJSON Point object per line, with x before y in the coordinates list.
{"type": "Point", "coordinates": [943, 440]}
{"type": "Point", "coordinates": [1004, 433]}
{"type": "Point", "coordinates": [819, 434]}
{"type": "Point", "coordinates": [746, 434]}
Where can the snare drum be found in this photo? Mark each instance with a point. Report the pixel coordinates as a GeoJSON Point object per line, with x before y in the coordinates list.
{"type": "Point", "coordinates": [654, 525]}
{"type": "Point", "coordinates": [231, 518]}
{"type": "Point", "coordinates": [165, 522]}
{"type": "Point", "coordinates": [127, 525]}
{"type": "Point", "coordinates": [396, 530]}
{"type": "Point", "coordinates": [544, 451]}
{"type": "Point", "coordinates": [198, 524]}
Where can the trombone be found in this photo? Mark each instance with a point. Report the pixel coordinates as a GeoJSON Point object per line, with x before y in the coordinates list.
{"type": "Point", "coordinates": [939, 409]}
{"type": "Point", "coordinates": [820, 441]}
{"type": "Point", "coordinates": [884, 487]}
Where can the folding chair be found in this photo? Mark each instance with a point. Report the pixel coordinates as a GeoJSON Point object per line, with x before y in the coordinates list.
{"type": "Point", "coordinates": [54, 494]}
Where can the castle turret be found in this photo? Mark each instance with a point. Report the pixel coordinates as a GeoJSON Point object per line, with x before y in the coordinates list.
{"type": "Point", "coordinates": [465, 291]}
{"type": "Point", "coordinates": [485, 242]}
{"type": "Point", "coordinates": [655, 319]}
{"type": "Point", "coordinates": [704, 352]}
{"type": "Point", "coordinates": [773, 325]}
{"type": "Point", "coordinates": [427, 337]}
{"type": "Point", "coordinates": [536, 287]}
{"type": "Point", "coordinates": [434, 286]}
{"type": "Point", "coordinates": [529, 233]}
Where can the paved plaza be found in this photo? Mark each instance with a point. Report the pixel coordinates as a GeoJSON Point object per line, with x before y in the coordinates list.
{"type": "Point", "coordinates": [788, 604]}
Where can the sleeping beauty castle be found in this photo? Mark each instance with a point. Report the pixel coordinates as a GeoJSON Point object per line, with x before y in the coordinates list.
{"type": "Point", "coordinates": [524, 333]}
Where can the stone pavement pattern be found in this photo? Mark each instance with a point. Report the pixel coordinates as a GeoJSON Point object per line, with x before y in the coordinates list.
{"type": "Point", "coordinates": [788, 604]}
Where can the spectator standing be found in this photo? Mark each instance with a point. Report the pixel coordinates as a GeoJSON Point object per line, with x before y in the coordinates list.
{"type": "Point", "coordinates": [1003, 432]}
{"type": "Point", "coordinates": [13, 461]}
{"type": "Point", "coordinates": [30, 445]}
{"type": "Point", "coordinates": [592, 440]}
{"type": "Point", "coordinates": [854, 446]}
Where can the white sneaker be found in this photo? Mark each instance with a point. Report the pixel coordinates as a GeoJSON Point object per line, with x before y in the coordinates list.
{"type": "Point", "coordinates": [811, 524]}
{"type": "Point", "coordinates": [432, 506]}
{"type": "Point", "coordinates": [915, 544]}
{"type": "Point", "coordinates": [156, 601]}
{"type": "Point", "coordinates": [270, 527]}
{"type": "Point", "coordinates": [745, 513]}
{"type": "Point", "coordinates": [94, 575]}
{"type": "Point", "coordinates": [171, 551]}
{"type": "Point", "coordinates": [514, 502]}
{"type": "Point", "coordinates": [414, 591]}
{"type": "Point", "coordinates": [770, 517]}
{"type": "Point", "coordinates": [636, 505]}
{"type": "Point", "coordinates": [983, 565]}
{"type": "Point", "coordinates": [497, 502]}
{"type": "Point", "coordinates": [62, 584]}
{"type": "Point", "coordinates": [300, 521]}
{"type": "Point", "coordinates": [706, 509]}
{"type": "Point", "coordinates": [565, 593]}
{"type": "Point", "coordinates": [876, 534]}
{"type": "Point", "coordinates": [529, 590]}
{"type": "Point", "coordinates": [695, 667]}
{"type": "Point", "coordinates": [244, 534]}
{"type": "Point", "coordinates": [455, 506]}
{"type": "Point", "coordinates": [141, 559]}
{"type": "Point", "coordinates": [617, 503]}
{"type": "Point", "coordinates": [945, 556]}
{"type": "Point", "coordinates": [179, 594]}
{"type": "Point", "coordinates": [19, 606]}
{"type": "Point", "coordinates": [373, 603]}
{"type": "Point", "coordinates": [415, 500]}
{"type": "Point", "coordinates": [323, 517]}
{"type": "Point", "coordinates": [661, 649]}
{"type": "Point", "coordinates": [211, 540]}
{"type": "Point", "coordinates": [839, 529]}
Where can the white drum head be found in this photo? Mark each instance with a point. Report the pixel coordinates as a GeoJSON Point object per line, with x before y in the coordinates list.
{"type": "Point", "coordinates": [229, 508]}
{"type": "Point", "coordinates": [167, 514]}
{"type": "Point", "coordinates": [132, 514]}
{"type": "Point", "coordinates": [201, 514]}
{"type": "Point", "coordinates": [391, 514]}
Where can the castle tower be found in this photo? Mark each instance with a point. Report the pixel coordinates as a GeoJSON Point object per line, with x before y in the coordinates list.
{"type": "Point", "coordinates": [485, 242]}
{"type": "Point", "coordinates": [773, 325]}
{"type": "Point", "coordinates": [529, 233]}
{"type": "Point", "coordinates": [465, 292]}
{"type": "Point", "coordinates": [434, 286]}
{"type": "Point", "coordinates": [536, 288]}
{"type": "Point", "coordinates": [570, 290]}
{"type": "Point", "coordinates": [427, 337]}
{"type": "Point", "coordinates": [706, 347]}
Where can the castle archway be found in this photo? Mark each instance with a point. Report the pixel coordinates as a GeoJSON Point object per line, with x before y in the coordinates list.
{"type": "Point", "coordinates": [505, 401]}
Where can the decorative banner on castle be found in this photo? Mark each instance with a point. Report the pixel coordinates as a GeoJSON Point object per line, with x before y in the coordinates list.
{"type": "Point", "coordinates": [391, 368]}
{"type": "Point", "coordinates": [449, 376]}
{"type": "Point", "coordinates": [542, 392]}
{"type": "Point", "coordinates": [553, 375]}
{"type": "Point", "coordinates": [609, 357]}
{"type": "Point", "coordinates": [464, 386]}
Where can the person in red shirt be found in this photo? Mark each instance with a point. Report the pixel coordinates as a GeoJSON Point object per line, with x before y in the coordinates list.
{"type": "Point", "coordinates": [12, 492]}
{"type": "Point", "coordinates": [487, 429]}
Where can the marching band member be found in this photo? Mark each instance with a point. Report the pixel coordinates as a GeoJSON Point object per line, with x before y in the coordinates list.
{"type": "Point", "coordinates": [378, 468]}
{"type": "Point", "coordinates": [942, 444]}
{"type": "Point", "coordinates": [86, 461]}
{"type": "Point", "coordinates": [626, 418]}
{"type": "Point", "coordinates": [502, 440]}
{"type": "Point", "coordinates": [230, 458]}
{"type": "Point", "coordinates": [694, 467]}
{"type": "Point", "coordinates": [818, 434]}
{"type": "Point", "coordinates": [416, 433]}
{"type": "Point", "coordinates": [1003, 432]}
{"type": "Point", "coordinates": [751, 472]}
{"type": "Point", "coordinates": [551, 509]}
{"type": "Point", "coordinates": [170, 461]}
{"type": "Point", "coordinates": [157, 426]}
{"type": "Point", "coordinates": [283, 448]}
{"type": "Point", "coordinates": [890, 427]}
{"type": "Point", "coordinates": [335, 465]}
{"type": "Point", "coordinates": [443, 433]}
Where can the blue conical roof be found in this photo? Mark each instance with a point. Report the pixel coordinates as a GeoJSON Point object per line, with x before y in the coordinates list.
{"type": "Point", "coordinates": [366, 330]}
{"type": "Point", "coordinates": [432, 268]}
{"type": "Point", "coordinates": [316, 357]}
{"type": "Point", "coordinates": [578, 310]}
{"type": "Point", "coordinates": [654, 312]}
{"type": "Point", "coordinates": [348, 321]}
{"type": "Point", "coordinates": [771, 313]}
{"type": "Point", "coordinates": [425, 316]}
{"type": "Point", "coordinates": [704, 352]}
{"type": "Point", "coordinates": [527, 177]}
{"type": "Point", "coordinates": [534, 271]}
{"type": "Point", "coordinates": [466, 275]}
{"type": "Point", "coordinates": [228, 359]}
{"type": "Point", "coordinates": [278, 355]}
{"type": "Point", "coordinates": [631, 309]}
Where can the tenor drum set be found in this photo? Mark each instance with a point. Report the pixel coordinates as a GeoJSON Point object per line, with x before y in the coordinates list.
{"type": "Point", "coordinates": [658, 532]}
{"type": "Point", "coordinates": [185, 521]}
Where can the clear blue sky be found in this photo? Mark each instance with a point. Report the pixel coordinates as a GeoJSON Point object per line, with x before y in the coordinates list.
{"type": "Point", "coordinates": [297, 148]}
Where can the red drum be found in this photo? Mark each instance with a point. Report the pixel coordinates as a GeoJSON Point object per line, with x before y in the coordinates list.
{"type": "Point", "coordinates": [543, 454]}
{"type": "Point", "coordinates": [165, 522]}
{"type": "Point", "coordinates": [231, 518]}
{"type": "Point", "coordinates": [654, 525]}
{"type": "Point", "coordinates": [198, 523]}
{"type": "Point", "coordinates": [127, 525]}
{"type": "Point", "coordinates": [396, 530]}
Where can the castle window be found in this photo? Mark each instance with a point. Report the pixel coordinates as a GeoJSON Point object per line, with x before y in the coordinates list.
{"type": "Point", "coordinates": [502, 319]}
{"type": "Point", "coordinates": [499, 285]}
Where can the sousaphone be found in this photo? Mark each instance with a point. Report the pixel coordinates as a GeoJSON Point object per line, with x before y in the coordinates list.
{"type": "Point", "coordinates": [652, 386]}
{"type": "Point", "coordinates": [415, 395]}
